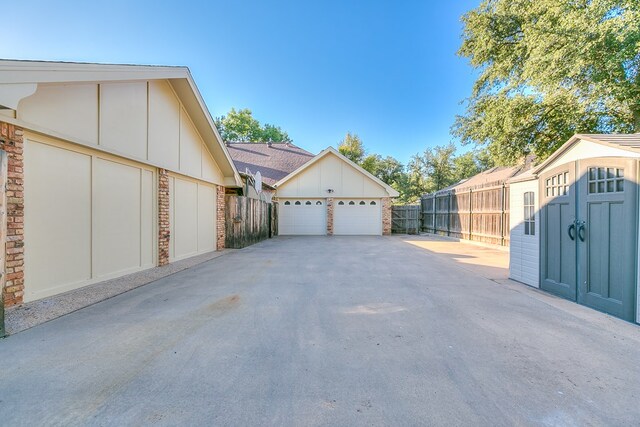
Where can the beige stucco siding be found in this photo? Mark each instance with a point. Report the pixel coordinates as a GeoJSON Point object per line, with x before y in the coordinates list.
{"type": "Point", "coordinates": [333, 173]}
{"type": "Point", "coordinates": [88, 216]}
{"type": "Point", "coordinates": [140, 120]}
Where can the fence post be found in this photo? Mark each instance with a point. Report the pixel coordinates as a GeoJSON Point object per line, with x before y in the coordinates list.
{"type": "Point", "coordinates": [502, 210]}
{"type": "Point", "coordinates": [470, 214]}
{"type": "Point", "coordinates": [449, 214]}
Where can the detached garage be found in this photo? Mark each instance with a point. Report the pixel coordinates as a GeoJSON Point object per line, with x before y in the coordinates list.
{"type": "Point", "coordinates": [111, 169]}
{"type": "Point", "coordinates": [331, 195]}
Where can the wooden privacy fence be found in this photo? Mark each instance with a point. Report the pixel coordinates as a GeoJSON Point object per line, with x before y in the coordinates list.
{"type": "Point", "coordinates": [405, 219]}
{"type": "Point", "coordinates": [480, 213]}
{"type": "Point", "coordinates": [248, 221]}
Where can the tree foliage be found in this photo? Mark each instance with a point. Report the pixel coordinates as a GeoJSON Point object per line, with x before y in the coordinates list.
{"type": "Point", "coordinates": [352, 148]}
{"type": "Point", "coordinates": [549, 69]}
{"type": "Point", "coordinates": [241, 126]}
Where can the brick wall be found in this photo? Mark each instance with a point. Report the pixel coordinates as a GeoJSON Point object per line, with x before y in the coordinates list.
{"type": "Point", "coordinates": [12, 142]}
{"type": "Point", "coordinates": [164, 230]}
{"type": "Point", "coordinates": [330, 216]}
{"type": "Point", "coordinates": [220, 217]}
{"type": "Point", "coordinates": [386, 216]}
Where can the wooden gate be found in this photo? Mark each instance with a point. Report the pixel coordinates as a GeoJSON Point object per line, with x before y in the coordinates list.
{"type": "Point", "coordinates": [405, 219]}
{"type": "Point", "coordinates": [248, 221]}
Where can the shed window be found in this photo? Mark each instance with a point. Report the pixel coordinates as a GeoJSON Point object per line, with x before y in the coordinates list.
{"type": "Point", "coordinates": [557, 185]}
{"type": "Point", "coordinates": [606, 180]}
{"type": "Point", "coordinates": [529, 214]}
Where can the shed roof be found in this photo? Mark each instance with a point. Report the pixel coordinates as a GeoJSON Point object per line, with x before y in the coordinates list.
{"type": "Point", "coordinates": [274, 161]}
{"type": "Point", "coordinates": [494, 176]}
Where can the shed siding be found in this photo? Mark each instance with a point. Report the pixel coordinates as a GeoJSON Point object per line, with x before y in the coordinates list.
{"type": "Point", "coordinates": [587, 149]}
{"type": "Point", "coordinates": [141, 120]}
{"type": "Point", "coordinates": [524, 252]}
{"type": "Point", "coordinates": [333, 173]}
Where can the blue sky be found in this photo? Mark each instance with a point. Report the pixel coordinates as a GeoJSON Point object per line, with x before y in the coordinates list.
{"type": "Point", "coordinates": [386, 70]}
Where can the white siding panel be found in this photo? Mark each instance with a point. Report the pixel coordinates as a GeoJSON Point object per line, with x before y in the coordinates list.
{"type": "Point", "coordinates": [190, 147]}
{"type": "Point", "coordinates": [206, 218]}
{"type": "Point", "coordinates": [524, 250]}
{"type": "Point", "coordinates": [210, 170]}
{"type": "Point", "coordinates": [123, 118]}
{"type": "Point", "coordinates": [71, 110]}
{"type": "Point", "coordinates": [164, 125]}
{"type": "Point", "coordinates": [57, 220]}
{"type": "Point", "coordinates": [117, 201]}
{"type": "Point", "coordinates": [186, 218]}
{"type": "Point", "coordinates": [148, 219]}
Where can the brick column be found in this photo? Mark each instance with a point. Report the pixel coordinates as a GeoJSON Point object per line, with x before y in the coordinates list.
{"type": "Point", "coordinates": [386, 216]}
{"type": "Point", "coordinates": [220, 213]}
{"type": "Point", "coordinates": [11, 140]}
{"type": "Point", "coordinates": [164, 230]}
{"type": "Point", "coordinates": [330, 216]}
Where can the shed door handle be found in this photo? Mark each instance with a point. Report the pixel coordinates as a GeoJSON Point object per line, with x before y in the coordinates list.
{"type": "Point", "coordinates": [571, 231]}
{"type": "Point", "coordinates": [581, 231]}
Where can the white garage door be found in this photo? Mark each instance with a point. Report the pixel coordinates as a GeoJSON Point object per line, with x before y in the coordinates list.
{"type": "Point", "coordinates": [88, 217]}
{"type": "Point", "coordinates": [302, 217]}
{"type": "Point", "coordinates": [357, 217]}
{"type": "Point", "coordinates": [192, 217]}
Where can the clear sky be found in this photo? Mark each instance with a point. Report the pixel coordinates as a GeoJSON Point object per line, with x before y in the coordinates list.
{"type": "Point", "coordinates": [386, 70]}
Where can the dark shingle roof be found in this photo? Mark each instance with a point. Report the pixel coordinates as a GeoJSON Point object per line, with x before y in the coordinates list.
{"type": "Point", "coordinates": [274, 162]}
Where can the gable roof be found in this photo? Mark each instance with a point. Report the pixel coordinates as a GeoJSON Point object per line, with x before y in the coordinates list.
{"type": "Point", "coordinates": [494, 176]}
{"type": "Point", "coordinates": [274, 162]}
{"type": "Point", "coordinates": [628, 142]}
{"type": "Point", "coordinates": [330, 150]}
{"type": "Point", "coordinates": [19, 79]}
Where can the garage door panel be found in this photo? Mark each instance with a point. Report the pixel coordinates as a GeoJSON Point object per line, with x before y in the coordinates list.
{"type": "Point", "coordinates": [185, 236]}
{"type": "Point", "coordinates": [302, 217]}
{"type": "Point", "coordinates": [57, 219]}
{"type": "Point", "coordinates": [148, 219]}
{"type": "Point", "coordinates": [357, 217]}
{"type": "Point", "coordinates": [117, 217]}
{"type": "Point", "coordinates": [206, 218]}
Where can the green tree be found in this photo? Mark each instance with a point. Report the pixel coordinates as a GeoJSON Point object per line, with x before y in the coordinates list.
{"type": "Point", "coordinates": [465, 166]}
{"type": "Point", "coordinates": [352, 148]}
{"type": "Point", "coordinates": [437, 166]}
{"type": "Point", "coordinates": [549, 69]}
{"type": "Point", "coordinates": [241, 126]}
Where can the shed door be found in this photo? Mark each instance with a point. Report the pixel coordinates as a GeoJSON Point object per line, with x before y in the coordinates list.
{"type": "Point", "coordinates": [302, 217]}
{"type": "Point", "coordinates": [357, 217]}
{"type": "Point", "coordinates": [558, 231]}
{"type": "Point", "coordinates": [607, 235]}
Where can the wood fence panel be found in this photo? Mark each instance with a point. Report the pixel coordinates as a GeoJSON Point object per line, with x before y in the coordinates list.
{"type": "Point", "coordinates": [405, 219]}
{"type": "Point", "coordinates": [247, 221]}
{"type": "Point", "coordinates": [480, 214]}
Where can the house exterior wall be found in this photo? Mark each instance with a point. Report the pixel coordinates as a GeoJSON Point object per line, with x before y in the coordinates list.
{"type": "Point", "coordinates": [142, 120]}
{"type": "Point", "coordinates": [332, 173]}
{"type": "Point", "coordinates": [524, 253]}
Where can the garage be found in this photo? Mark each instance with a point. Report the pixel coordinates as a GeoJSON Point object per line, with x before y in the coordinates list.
{"type": "Point", "coordinates": [302, 217]}
{"type": "Point", "coordinates": [75, 236]}
{"type": "Point", "coordinates": [192, 215]}
{"type": "Point", "coordinates": [332, 195]}
{"type": "Point", "coordinates": [357, 217]}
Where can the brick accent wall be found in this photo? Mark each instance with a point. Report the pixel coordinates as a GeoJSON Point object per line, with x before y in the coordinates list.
{"type": "Point", "coordinates": [12, 142]}
{"type": "Point", "coordinates": [386, 216]}
{"type": "Point", "coordinates": [220, 210]}
{"type": "Point", "coordinates": [164, 230]}
{"type": "Point", "coordinates": [330, 216]}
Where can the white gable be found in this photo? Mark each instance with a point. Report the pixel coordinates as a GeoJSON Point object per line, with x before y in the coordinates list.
{"type": "Point", "coordinates": [331, 173]}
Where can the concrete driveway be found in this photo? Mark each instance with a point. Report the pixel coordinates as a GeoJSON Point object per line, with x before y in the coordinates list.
{"type": "Point", "coordinates": [328, 331]}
